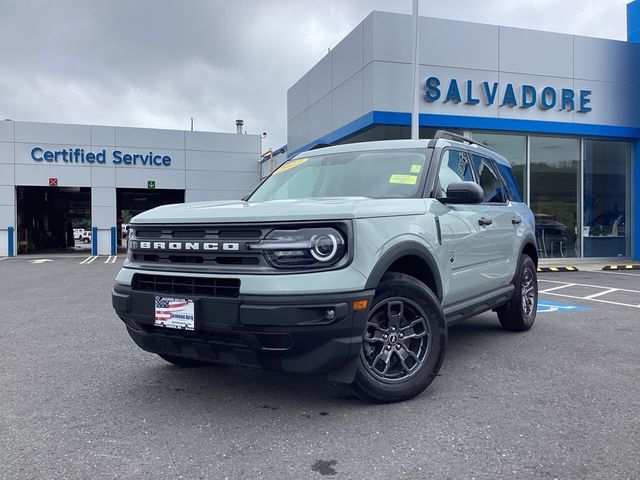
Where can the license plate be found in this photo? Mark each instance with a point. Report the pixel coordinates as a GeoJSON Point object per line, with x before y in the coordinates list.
{"type": "Point", "coordinates": [178, 313]}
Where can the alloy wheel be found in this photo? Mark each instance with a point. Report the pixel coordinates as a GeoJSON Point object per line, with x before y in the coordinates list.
{"type": "Point", "coordinates": [397, 339]}
{"type": "Point", "coordinates": [528, 292]}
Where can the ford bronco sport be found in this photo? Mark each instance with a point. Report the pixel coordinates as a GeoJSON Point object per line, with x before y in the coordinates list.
{"type": "Point", "coordinates": [348, 261]}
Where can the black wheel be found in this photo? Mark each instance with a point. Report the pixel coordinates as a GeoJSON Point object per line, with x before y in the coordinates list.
{"type": "Point", "coordinates": [403, 342]}
{"type": "Point", "coordinates": [183, 362]}
{"type": "Point", "coordinates": [519, 314]}
{"type": "Point", "coordinates": [86, 240]}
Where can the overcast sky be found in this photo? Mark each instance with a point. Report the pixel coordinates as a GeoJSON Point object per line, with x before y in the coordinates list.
{"type": "Point", "coordinates": [156, 63]}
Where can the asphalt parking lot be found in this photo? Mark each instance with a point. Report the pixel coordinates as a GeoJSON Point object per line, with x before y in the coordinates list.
{"type": "Point", "coordinates": [80, 400]}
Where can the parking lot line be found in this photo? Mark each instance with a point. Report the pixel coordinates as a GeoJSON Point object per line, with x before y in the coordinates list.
{"type": "Point", "coordinates": [588, 285]}
{"type": "Point", "coordinates": [591, 297]}
{"type": "Point", "coordinates": [111, 259]}
{"type": "Point", "coordinates": [608, 272]}
{"type": "Point", "coordinates": [557, 288]}
{"type": "Point", "coordinates": [594, 297]}
{"type": "Point", "coordinates": [88, 260]}
{"type": "Point", "coordinates": [595, 300]}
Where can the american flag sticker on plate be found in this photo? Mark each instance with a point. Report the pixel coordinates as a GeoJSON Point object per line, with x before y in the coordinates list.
{"type": "Point", "coordinates": [174, 313]}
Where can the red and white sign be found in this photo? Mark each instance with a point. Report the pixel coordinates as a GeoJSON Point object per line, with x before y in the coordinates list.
{"type": "Point", "coordinates": [53, 182]}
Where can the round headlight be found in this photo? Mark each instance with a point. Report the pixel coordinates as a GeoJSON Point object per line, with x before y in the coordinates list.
{"type": "Point", "coordinates": [324, 247]}
{"type": "Point", "coordinates": [314, 247]}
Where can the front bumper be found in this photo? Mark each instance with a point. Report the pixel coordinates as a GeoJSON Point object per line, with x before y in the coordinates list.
{"type": "Point", "coordinates": [277, 332]}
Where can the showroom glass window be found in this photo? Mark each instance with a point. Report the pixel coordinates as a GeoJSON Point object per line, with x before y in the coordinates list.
{"type": "Point", "coordinates": [555, 186]}
{"type": "Point", "coordinates": [514, 149]}
{"type": "Point", "coordinates": [606, 192]}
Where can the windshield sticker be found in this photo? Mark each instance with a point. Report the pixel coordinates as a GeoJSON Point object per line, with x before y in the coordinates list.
{"type": "Point", "coordinates": [403, 179]}
{"type": "Point", "coordinates": [290, 165]}
{"type": "Point", "coordinates": [415, 168]}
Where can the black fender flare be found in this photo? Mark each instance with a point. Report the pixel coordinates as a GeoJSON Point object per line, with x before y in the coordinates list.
{"type": "Point", "coordinates": [403, 249]}
{"type": "Point", "coordinates": [529, 239]}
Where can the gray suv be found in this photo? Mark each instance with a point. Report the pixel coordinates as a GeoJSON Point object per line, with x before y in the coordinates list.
{"type": "Point", "coordinates": [348, 262]}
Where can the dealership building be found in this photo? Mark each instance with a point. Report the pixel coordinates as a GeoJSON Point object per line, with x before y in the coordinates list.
{"type": "Point", "coordinates": [56, 177]}
{"type": "Point", "coordinates": [564, 109]}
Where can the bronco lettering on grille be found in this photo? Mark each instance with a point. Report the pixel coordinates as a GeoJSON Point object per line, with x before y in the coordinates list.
{"type": "Point", "coordinates": [197, 246]}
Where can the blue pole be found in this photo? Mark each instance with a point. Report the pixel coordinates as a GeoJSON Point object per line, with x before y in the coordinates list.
{"type": "Point", "coordinates": [10, 241]}
{"type": "Point", "coordinates": [113, 241]}
{"type": "Point", "coordinates": [635, 198]}
{"type": "Point", "coordinates": [94, 241]}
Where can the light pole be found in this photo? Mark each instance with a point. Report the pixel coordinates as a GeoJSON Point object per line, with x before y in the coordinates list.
{"type": "Point", "coordinates": [415, 114]}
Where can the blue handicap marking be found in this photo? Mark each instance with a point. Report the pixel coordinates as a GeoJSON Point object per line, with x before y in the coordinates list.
{"type": "Point", "coordinates": [547, 306]}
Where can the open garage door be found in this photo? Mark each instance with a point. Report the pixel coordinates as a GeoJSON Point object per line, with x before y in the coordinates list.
{"type": "Point", "coordinates": [132, 201]}
{"type": "Point", "coordinates": [53, 219]}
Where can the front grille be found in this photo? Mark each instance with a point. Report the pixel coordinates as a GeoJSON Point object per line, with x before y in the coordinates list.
{"type": "Point", "coordinates": [208, 232]}
{"type": "Point", "coordinates": [241, 257]}
{"type": "Point", "coordinates": [223, 249]}
{"type": "Point", "coordinates": [190, 286]}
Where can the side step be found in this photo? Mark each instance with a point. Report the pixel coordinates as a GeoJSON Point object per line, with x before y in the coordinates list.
{"type": "Point", "coordinates": [460, 311]}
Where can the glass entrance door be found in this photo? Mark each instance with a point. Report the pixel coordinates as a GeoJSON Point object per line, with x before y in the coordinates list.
{"type": "Point", "coordinates": [555, 194]}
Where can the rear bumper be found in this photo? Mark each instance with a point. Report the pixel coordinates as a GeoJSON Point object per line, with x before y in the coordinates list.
{"type": "Point", "coordinates": [290, 333]}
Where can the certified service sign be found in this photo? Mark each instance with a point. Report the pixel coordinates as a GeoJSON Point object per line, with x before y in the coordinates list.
{"type": "Point", "coordinates": [100, 157]}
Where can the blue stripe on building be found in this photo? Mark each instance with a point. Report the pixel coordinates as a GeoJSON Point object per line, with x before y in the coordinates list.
{"type": "Point", "coordinates": [471, 123]}
{"type": "Point", "coordinates": [633, 21]}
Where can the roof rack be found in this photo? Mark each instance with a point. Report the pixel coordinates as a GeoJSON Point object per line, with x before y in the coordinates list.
{"type": "Point", "coordinates": [321, 145]}
{"type": "Point", "coordinates": [447, 135]}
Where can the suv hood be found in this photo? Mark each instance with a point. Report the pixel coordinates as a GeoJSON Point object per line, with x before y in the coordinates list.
{"type": "Point", "coordinates": [281, 210]}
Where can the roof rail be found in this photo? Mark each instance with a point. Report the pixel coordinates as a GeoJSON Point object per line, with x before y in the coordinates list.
{"type": "Point", "coordinates": [446, 135]}
{"type": "Point", "coordinates": [321, 145]}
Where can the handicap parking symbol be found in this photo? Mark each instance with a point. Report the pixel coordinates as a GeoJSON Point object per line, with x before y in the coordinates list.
{"type": "Point", "coordinates": [547, 306]}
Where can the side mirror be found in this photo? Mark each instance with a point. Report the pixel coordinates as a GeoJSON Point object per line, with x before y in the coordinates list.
{"type": "Point", "coordinates": [464, 192]}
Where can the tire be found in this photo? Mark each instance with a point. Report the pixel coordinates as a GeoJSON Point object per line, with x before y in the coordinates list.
{"type": "Point", "coordinates": [183, 362]}
{"type": "Point", "coordinates": [519, 313]}
{"type": "Point", "coordinates": [393, 367]}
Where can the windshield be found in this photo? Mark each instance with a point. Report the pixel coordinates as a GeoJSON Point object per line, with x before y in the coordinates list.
{"type": "Point", "coordinates": [374, 174]}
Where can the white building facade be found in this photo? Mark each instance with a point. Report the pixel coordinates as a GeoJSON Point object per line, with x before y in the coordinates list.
{"type": "Point", "coordinates": [104, 161]}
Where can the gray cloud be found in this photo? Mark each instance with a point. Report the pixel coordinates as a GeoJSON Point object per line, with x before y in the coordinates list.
{"type": "Point", "coordinates": [157, 63]}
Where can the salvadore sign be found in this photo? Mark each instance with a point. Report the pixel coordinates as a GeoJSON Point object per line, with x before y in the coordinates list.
{"type": "Point", "coordinates": [114, 157]}
{"type": "Point", "coordinates": [522, 96]}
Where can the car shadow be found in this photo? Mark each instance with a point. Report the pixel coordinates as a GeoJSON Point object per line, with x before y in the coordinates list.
{"type": "Point", "coordinates": [233, 386]}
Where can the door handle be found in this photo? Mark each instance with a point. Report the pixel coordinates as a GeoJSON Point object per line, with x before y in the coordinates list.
{"type": "Point", "coordinates": [485, 221]}
{"type": "Point", "coordinates": [516, 220]}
